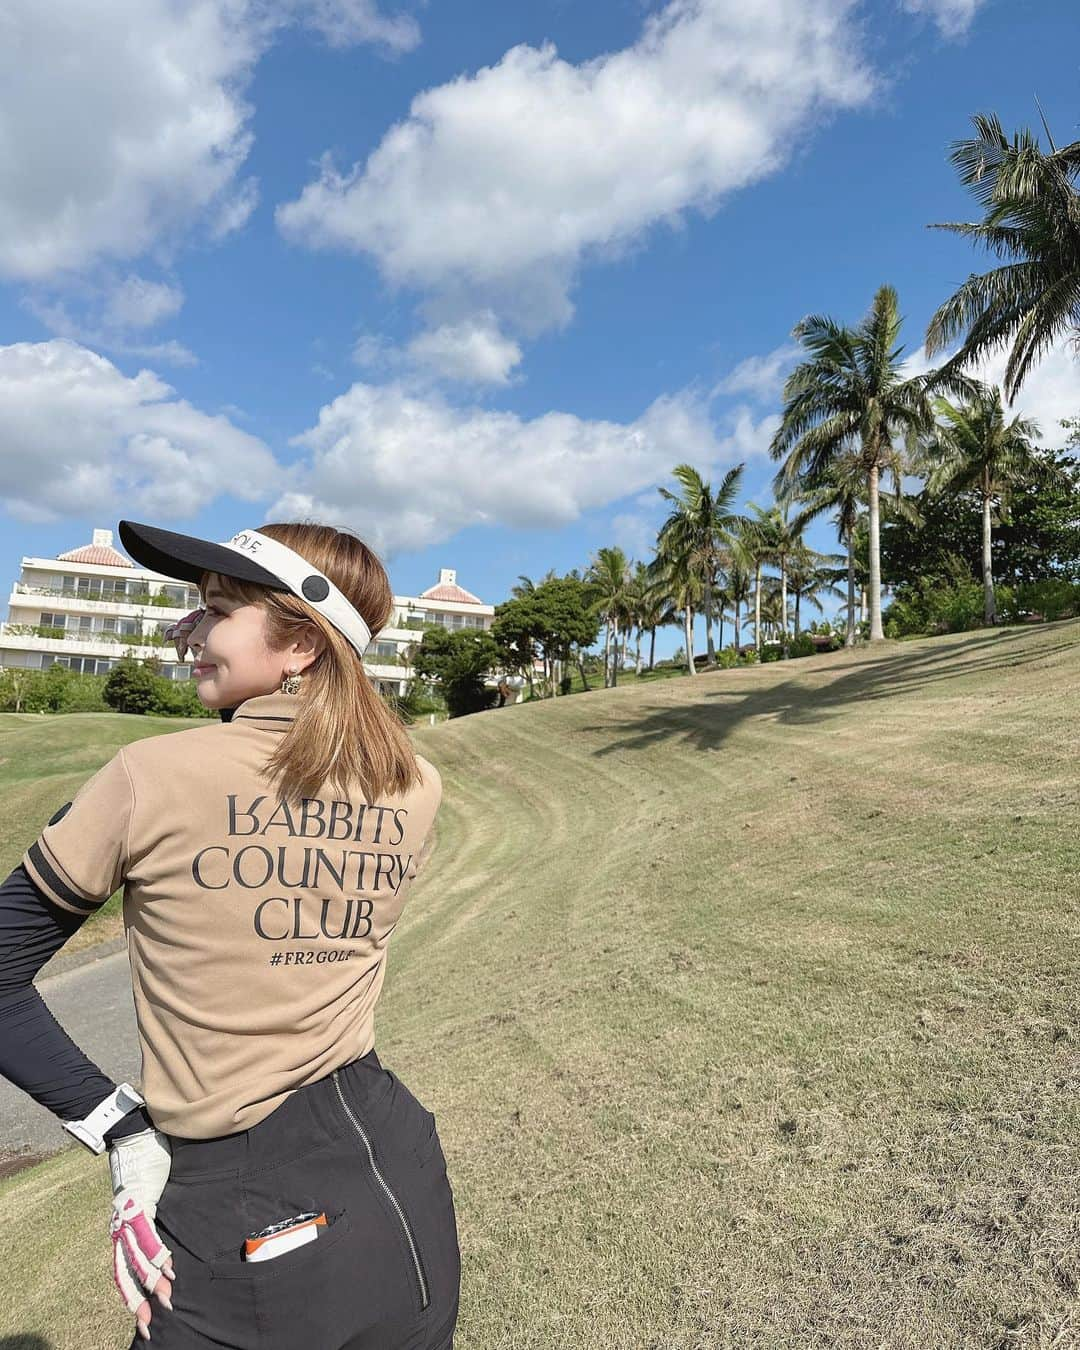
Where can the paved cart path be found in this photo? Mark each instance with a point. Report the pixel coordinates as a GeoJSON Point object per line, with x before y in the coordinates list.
{"type": "Point", "coordinates": [93, 1003]}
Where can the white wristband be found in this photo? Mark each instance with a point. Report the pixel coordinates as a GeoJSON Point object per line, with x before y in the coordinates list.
{"type": "Point", "coordinates": [92, 1128]}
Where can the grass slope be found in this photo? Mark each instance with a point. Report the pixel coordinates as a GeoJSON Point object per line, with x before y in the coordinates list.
{"type": "Point", "coordinates": [746, 1007]}
{"type": "Point", "coordinates": [43, 763]}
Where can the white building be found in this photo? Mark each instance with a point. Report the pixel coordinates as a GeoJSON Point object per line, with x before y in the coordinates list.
{"type": "Point", "coordinates": [87, 608]}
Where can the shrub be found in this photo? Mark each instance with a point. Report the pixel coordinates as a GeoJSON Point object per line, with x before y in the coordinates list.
{"type": "Point", "coordinates": [178, 698]}
{"type": "Point", "coordinates": [467, 693]}
{"type": "Point", "coordinates": [83, 693]}
{"type": "Point", "coordinates": [129, 687]}
{"type": "Point", "coordinates": [1053, 598]}
{"type": "Point", "coordinates": [802, 645]}
{"type": "Point", "coordinates": [949, 604]}
{"type": "Point", "coordinates": [418, 701]}
{"type": "Point", "coordinates": [727, 658]}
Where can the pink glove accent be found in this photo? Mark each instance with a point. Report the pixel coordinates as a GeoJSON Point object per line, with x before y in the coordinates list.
{"type": "Point", "coordinates": [138, 1253]}
{"type": "Point", "coordinates": [178, 632]}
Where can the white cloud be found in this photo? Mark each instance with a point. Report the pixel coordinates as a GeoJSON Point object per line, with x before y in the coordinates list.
{"type": "Point", "coordinates": [236, 209]}
{"type": "Point", "coordinates": [108, 319]}
{"type": "Point", "coordinates": [497, 186]}
{"type": "Point", "coordinates": [121, 123]}
{"type": "Point", "coordinates": [409, 471]}
{"type": "Point", "coordinates": [346, 22]}
{"type": "Point", "coordinates": [635, 535]}
{"type": "Point", "coordinates": [1050, 392]}
{"type": "Point", "coordinates": [124, 124]}
{"type": "Point", "coordinates": [79, 438]}
{"type": "Point", "coordinates": [473, 350]}
{"type": "Point", "coordinates": [138, 303]}
{"type": "Point", "coordinates": [749, 439]}
{"type": "Point", "coordinates": [953, 17]}
{"type": "Point", "coordinates": [762, 377]}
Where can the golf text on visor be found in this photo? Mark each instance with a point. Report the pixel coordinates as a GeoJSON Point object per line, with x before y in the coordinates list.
{"type": "Point", "coordinates": [304, 581]}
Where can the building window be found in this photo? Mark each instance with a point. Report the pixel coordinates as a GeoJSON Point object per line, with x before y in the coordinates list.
{"type": "Point", "coordinates": [82, 665]}
{"type": "Point", "coordinates": [53, 620]}
{"type": "Point", "coordinates": [386, 649]}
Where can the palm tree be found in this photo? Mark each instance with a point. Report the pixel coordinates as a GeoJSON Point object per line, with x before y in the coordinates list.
{"type": "Point", "coordinates": [679, 574]}
{"type": "Point", "coordinates": [809, 574]}
{"type": "Point", "coordinates": [851, 394]}
{"type": "Point", "coordinates": [784, 538]}
{"type": "Point", "coordinates": [609, 572]}
{"type": "Point", "coordinates": [699, 528]}
{"type": "Point", "coordinates": [636, 604]}
{"type": "Point", "coordinates": [738, 588]}
{"type": "Point", "coordinates": [1031, 218]}
{"type": "Point", "coordinates": [840, 488]}
{"type": "Point", "coordinates": [528, 586]}
{"type": "Point", "coordinates": [767, 536]}
{"type": "Point", "coordinates": [653, 609]}
{"type": "Point", "coordinates": [751, 549]}
{"type": "Point", "coordinates": [722, 594]}
{"type": "Point", "coordinates": [774, 615]}
{"type": "Point", "coordinates": [974, 448]}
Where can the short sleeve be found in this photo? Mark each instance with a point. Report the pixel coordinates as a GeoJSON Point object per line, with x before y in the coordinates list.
{"type": "Point", "coordinates": [433, 791]}
{"type": "Point", "coordinates": [79, 859]}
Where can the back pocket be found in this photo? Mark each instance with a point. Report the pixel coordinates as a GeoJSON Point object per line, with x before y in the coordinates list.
{"type": "Point", "coordinates": [307, 1296]}
{"type": "Point", "coordinates": [234, 1267]}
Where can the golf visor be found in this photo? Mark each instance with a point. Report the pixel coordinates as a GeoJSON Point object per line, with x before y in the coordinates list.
{"type": "Point", "coordinates": [249, 556]}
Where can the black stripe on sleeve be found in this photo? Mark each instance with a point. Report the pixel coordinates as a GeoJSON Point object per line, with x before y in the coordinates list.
{"type": "Point", "coordinates": [59, 886]}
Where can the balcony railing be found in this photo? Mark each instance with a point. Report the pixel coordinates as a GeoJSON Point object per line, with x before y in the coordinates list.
{"type": "Point", "coordinates": [89, 637]}
{"type": "Point", "coordinates": [156, 599]}
{"type": "Point", "coordinates": [44, 630]}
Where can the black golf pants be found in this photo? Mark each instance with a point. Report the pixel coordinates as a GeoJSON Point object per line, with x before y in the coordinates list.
{"type": "Point", "coordinates": [384, 1275]}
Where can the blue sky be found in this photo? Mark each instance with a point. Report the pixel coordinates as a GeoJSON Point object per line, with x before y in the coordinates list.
{"type": "Point", "coordinates": [467, 278]}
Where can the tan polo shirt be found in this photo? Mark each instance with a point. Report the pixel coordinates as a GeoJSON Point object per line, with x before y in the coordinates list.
{"type": "Point", "coordinates": [257, 929]}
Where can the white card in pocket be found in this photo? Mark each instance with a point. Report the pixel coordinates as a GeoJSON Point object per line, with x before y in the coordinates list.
{"type": "Point", "coordinates": [283, 1236]}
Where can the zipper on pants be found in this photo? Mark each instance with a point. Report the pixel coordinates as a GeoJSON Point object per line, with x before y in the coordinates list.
{"type": "Point", "coordinates": [424, 1299]}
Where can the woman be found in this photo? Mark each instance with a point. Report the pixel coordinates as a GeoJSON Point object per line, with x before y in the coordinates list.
{"type": "Point", "coordinates": [265, 861]}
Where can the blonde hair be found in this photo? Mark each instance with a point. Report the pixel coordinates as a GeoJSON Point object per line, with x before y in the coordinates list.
{"type": "Point", "coordinates": [343, 730]}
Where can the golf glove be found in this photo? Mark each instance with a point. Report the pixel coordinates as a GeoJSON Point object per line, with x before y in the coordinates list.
{"type": "Point", "coordinates": [139, 1165]}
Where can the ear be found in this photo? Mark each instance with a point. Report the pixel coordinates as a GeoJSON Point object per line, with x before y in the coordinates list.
{"type": "Point", "coordinates": [311, 643]}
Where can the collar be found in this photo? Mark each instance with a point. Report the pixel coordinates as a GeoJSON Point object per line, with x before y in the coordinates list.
{"type": "Point", "coordinates": [272, 712]}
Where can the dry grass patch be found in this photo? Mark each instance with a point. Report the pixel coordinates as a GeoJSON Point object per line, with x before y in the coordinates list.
{"type": "Point", "coordinates": [745, 1007]}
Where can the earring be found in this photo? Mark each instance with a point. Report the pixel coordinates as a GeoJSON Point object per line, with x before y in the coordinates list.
{"type": "Point", "coordinates": [291, 683]}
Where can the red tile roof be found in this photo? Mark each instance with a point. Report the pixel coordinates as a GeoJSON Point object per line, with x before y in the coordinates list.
{"type": "Point", "coordinates": [456, 594]}
{"type": "Point", "coordinates": [100, 554]}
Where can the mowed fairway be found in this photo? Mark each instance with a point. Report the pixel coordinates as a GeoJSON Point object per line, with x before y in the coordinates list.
{"type": "Point", "coordinates": [746, 1005]}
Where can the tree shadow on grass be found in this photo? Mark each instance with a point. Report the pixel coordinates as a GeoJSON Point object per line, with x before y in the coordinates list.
{"type": "Point", "coordinates": [824, 692]}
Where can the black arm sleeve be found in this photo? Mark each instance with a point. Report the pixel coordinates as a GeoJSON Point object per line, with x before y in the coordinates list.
{"type": "Point", "coordinates": [36, 1053]}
